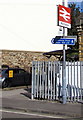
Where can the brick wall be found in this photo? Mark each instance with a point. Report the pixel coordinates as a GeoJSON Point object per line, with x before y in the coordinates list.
{"type": "Point", "coordinates": [23, 59]}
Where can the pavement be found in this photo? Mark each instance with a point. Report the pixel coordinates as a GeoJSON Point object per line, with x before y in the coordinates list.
{"type": "Point", "coordinates": [23, 102]}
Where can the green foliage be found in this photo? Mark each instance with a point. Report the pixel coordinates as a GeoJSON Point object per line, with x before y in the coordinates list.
{"type": "Point", "coordinates": [75, 12]}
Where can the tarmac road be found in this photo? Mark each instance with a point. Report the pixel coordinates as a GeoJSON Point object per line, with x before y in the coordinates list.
{"type": "Point", "coordinates": [14, 115]}
{"type": "Point", "coordinates": [17, 94]}
{"type": "Point", "coordinates": [18, 114]}
{"type": "Point", "coordinates": [19, 99]}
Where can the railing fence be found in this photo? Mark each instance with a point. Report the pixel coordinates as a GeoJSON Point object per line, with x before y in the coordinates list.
{"type": "Point", "coordinates": [47, 80]}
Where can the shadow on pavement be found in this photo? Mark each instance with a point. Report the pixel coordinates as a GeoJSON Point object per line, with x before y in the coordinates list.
{"type": "Point", "coordinates": [27, 92]}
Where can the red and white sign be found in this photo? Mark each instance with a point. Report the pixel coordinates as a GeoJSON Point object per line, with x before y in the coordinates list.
{"type": "Point", "coordinates": [64, 17]}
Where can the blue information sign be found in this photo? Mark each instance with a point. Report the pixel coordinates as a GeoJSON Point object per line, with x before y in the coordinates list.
{"type": "Point", "coordinates": [67, 41]}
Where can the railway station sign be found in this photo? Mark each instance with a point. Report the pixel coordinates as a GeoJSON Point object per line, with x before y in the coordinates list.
{"type": "Point", "coordinates": [64, 17]}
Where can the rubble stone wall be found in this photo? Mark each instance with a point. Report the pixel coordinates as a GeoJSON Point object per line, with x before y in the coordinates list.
{"type": "Point", "coordinates": [23, 59]}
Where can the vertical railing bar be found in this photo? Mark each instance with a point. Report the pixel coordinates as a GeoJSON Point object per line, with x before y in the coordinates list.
{"type": "Point", "coordinates": [51, 80]}
{"type": "Point", "coordinates": [62, 74]}
{"type": "Point", "coordinates": [74, 83]}
{"type": "Point", "coordinates": [42, 81]}
{"type": "Point", "coordinates": [32, 92]}
{"type": "Point", "coordinates": [45, 80]}
{"type": "Point", "coordinates": [37, 76]}
{"type": "Point", "coordinates": [68, 81]}
{"type": "Point", "coordinates": [71, 81]}
{"type": "Point", "coordinates": [81, 80]}
{"type": "Point", "coordinates": [66, 78]}
{"type": "Point", "coordinates": [80, 83]}
{"type": "Point", "coordinates": [56, 87]}
{"type": "Point", "coordinates": [59, 82]}
{"type": "Point", "coordinates": [77, 84]}
{"type": "Point", "coordinates": [48, 78]}
{"type": "Point", "coordinates": [54, 82]}
{"type": "Point", "coordinates": [35, 81]}
{"type": "Point", "coordinates": [41, 77]}
{"type": "Point", "coordinates": [40, 67]}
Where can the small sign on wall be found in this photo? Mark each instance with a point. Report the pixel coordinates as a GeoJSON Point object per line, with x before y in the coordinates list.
{"type": "Point", "coordinates": [10, 73]}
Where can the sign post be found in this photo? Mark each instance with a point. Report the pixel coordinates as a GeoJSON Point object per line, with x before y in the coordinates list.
{"type": "Point", "coordinates": [64, 73]}
{"type": "Point", "coordinates": [64, 65]}
{"type": "Point", "coordinates": [64, 21]}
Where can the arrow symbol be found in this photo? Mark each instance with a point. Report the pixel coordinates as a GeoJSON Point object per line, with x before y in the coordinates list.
{"type": "Point", "coordinates": [52, 41]}
{"type": "Point", "coordinates": [64, 15]}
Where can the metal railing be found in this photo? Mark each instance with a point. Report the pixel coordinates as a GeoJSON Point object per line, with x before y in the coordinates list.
{"type": "Point", "coordinates": [47, 80]}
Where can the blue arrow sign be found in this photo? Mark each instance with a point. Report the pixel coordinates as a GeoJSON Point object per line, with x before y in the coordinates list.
{"type": "Point", "coordinates": [67, 41]}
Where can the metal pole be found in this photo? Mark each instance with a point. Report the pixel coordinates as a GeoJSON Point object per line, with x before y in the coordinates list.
{"type": "Point", "coordinates": [64, 71]}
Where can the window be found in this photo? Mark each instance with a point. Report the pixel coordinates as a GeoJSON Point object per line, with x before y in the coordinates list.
{"type": "Point", "coordinates": [21, 71]}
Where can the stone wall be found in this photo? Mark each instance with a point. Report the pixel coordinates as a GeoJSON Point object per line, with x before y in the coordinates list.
{"type": "Point", "coordinates": [23, 59]}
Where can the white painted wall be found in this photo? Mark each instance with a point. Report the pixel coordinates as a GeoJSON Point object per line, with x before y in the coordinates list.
{"type": "Point", "coordinates": [29, 24]}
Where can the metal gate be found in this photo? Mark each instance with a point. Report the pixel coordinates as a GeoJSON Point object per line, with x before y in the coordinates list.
{"type": "Point", "coordinates": [47, 80]}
